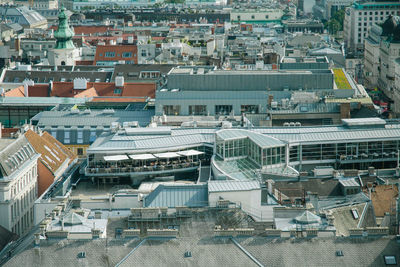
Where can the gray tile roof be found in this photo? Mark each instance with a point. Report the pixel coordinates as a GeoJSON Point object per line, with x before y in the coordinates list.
{"type": "Point", "coordinates": [14, 154]}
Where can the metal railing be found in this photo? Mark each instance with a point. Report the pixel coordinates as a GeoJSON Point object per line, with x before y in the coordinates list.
{"type": "Point", "coordinates": [142, 169]}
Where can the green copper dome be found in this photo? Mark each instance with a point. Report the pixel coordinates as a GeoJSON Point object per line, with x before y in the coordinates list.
{"type": "Point", "coordinates": [64, 33]}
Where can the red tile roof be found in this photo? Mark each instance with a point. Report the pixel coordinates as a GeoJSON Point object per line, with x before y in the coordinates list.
{"type": "Point", "coordinates": [91, 92]}
{"type": "Point", "coordinates": [50, 155]}
{"type": "Point", "coordinates": [66, 89]}
{"type": "Point", "coordinates": [49, 138]}
{"type": "Point", "coordinates": [118, 50]}
{"type": "Point", "coordinates": [118, 99]}
{"type": "Point", "coordinates": [83, 62]}
{"type": "Point", "coordinates": [86, 30]}
{"type": "Point", "coordinates": [16, 92]}
{"type": "Point", "coordinates": [384, 199]}
{"type": "Point", "coordinates": [38, 90]}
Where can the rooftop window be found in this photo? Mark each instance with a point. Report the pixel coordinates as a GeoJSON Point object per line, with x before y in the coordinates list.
{"type": "Point", "coordinates": [109, 54]}
{"type": "Point", "coordinates": [390, 260]}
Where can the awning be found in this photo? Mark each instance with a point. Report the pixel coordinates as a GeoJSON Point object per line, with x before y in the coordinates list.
{"type": "Point", "coordinates": [142, 156]}
{"type": "Point", "coordinates": [190, 152]}
{"type": "Point", "coordinates": [116, 158]}
{"type": "Point", "coordinates": [167, 155]}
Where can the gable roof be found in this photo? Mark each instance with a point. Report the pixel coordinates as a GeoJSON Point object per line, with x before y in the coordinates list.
{"type": "Point", "coordinates": [38, 90]}
{"type": "Point", "coordinates": [66, 89]}
{"type": "Point", "coordinates": [49, 138]}
{"type": "Point", "coordinates": [14, 153]}
{"type": "Point", "coordinates": [16, 92]}
{"type": "Point", "coordinates": [91, 92]}
{"type": "Point", "coordinates": [50, 155]}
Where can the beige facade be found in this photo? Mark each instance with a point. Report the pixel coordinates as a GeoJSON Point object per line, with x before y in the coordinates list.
{"type": "Point", "coordinates": [18, 186]}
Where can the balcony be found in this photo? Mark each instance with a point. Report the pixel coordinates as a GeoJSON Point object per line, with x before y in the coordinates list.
{"type": "Point", "coordinates": [136, 170]}
{"type": "Point", "coordinates": [370, 157]}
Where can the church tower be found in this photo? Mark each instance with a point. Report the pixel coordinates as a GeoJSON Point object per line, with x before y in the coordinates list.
{"type": "Point", "coordinates": [65, 52]}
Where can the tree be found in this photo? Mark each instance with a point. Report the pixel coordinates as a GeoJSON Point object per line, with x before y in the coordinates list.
{"type": "Point", "coordinates": [335, 24]}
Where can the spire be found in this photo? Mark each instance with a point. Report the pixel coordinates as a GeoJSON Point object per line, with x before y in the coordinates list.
{"type": "Point", "coordinates": [64, 33]}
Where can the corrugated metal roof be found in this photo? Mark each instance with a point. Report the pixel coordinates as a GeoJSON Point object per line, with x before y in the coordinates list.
{"type": "Point", "coordinates": [93, 118]}
{"type": "Point", "coordinates": [172, 196]}
{"type": "Point", "coordinates": [349, 182]}
{"type": "Point", "coordinates": [230, 185]}
{"type": "Point", "coordinates": [276, 136]}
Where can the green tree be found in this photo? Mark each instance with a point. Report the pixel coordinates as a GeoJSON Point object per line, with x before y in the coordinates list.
{"type": "Point", "coordinates": [335, 24]}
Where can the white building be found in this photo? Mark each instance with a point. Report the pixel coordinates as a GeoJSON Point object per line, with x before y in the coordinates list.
{"type": "Point", "coordinates": [256, 15]}
{"type": "Point", "coordinates": [98, 4]}
{"type": "Point", "coordinates": [382, 49]}
{"type": "Point", "coordinates": [371, 57]}
{"type": "Point", "coordinates": [360, 17]}
{"type": "Point", "coordinates": [18, 184]}
{"type": "Point", "coordinates": [245, 194]}
{"type": "Point", "coordinates": [146, 53]}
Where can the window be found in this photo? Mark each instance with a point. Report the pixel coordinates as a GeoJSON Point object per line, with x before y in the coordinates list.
{"type": "Point", "coordinates": [252, 17]}
{"type": "Point", "coordinates": [172, 110]}
{"type": "Point", "coordinates": [390, 260]}
{"type": "Point", "coordinates": [80, 137]}
{"type": "Point", "coordinates": [80, 151]}
{"type": "Point", "coordinates": [144, 53]}
{"type": "Point", "coordinates": [249, 109]}
{"type": "Point", "coordinates": [266, 16]}
{"type": "Point", "coordinates": [117, 91]}
{"type": "Point", "coordinates": [93, 136]}
{"type": "Point", "coordinates": [109, 54]}
{"type": "Point", "coordinates": [127, 54]}
{"type": "Point", "coordinates": [54, 133]}
{"type": "Point", "coordinates": [198, 110]}
{"type": "Point", "coordinates": [66, 137]}
{"type": "Point", "coordinates": [101, 54]}
{"type": "Point", "coordinates": [223, 109]}
{"type": "Point", "coordinates": [238, 17]}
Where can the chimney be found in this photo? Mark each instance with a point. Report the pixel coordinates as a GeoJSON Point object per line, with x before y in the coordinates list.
{"type": "Point", "coordinates": [345, 110]}
{"type": "Point", "coordinates": [80, 84]}
{"type": "Point", "coordinates": [26, 91]}
{"type": "Point", "coordinates": [270, 99]}
{"type": "Point", "coordinates": [37, 239]}
{"type": "Point", "coordinates": [314, 200]}
{"type": "Point", "coordinates": [271, 186]}
{"type": "Point", "coordinates": [27, 83]}
{"type": "Point", "coordinates": [119, 81]}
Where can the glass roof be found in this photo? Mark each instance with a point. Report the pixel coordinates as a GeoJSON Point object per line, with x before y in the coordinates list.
{"type": "Point", "coordinates": [241, 169]}
{"type": "Point", "coordinates": [261, 140]}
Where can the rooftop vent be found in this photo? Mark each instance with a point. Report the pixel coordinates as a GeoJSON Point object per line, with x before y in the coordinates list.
{"type": "Point", "coordinates": [80, 84]}
{"type": "Point", "coordinates": [81, 255]}
{"type": "Point", "coordinates": [108, 111]}
{"type": "Point", "coordinates": [119, 81]}
{"type": "Point", "coordinates": [188, 254]}
{"type": "Point", "coordinates": [339, 253]}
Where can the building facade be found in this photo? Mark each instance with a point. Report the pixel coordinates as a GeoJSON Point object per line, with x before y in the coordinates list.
{"type": "Point", "coordinates": [361, 16]}
{"type": "Point", "coordinates": [18, 184]}
{"type": "Point", "coordinates": [256, 15]}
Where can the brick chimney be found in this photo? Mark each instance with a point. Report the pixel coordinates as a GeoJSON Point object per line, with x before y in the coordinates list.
{"type": "Point", "coordinates": [345, 110]}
